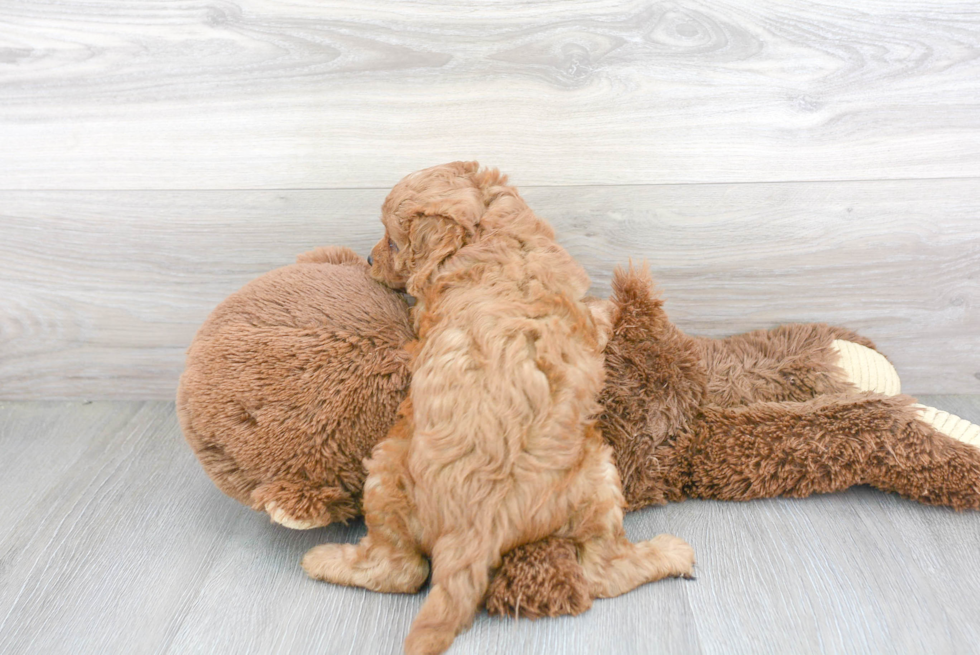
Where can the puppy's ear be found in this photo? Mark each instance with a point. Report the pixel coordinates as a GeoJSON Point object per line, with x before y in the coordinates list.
{"type": "Point", "coordinates": [433, 238]}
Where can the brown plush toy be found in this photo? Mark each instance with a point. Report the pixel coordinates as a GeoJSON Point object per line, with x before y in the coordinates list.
{"type": "Point", "coordinates": [292, 380]}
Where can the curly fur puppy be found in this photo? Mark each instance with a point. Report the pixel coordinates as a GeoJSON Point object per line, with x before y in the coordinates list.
{"type": "Point", "coordinates": [495, 445]}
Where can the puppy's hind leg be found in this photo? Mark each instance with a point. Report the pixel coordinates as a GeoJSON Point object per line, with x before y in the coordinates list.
{"type": "Point", "coordinates": [388, 559]}
{"type": "Point", "coordinates": [379, 562]}
{"type": "Point", "coordinates": [612, 565]}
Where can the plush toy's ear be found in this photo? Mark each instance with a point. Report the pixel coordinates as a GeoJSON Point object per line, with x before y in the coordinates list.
{"type": "Point", "coordinates": [331, 255]}
{"type": "Point", "coordinates": [432, 240]}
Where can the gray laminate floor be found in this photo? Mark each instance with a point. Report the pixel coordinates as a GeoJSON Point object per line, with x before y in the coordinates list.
{"type": "Point", "coordinates": [114, 541]}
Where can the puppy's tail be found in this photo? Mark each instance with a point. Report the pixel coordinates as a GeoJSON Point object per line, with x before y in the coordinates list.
{"type": "Point", "coordinates": [460, 577]}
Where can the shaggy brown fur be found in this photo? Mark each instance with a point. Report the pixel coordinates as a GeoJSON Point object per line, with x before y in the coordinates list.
{"type": "Point", "coordinates": [290, 383]}
{"type": "Point", "coordinates": [675, 429]}
{"type": "Point", "coordinates": [495, 446]}
{"type": "Point", "coordinates": [675, 438]}
{"type": "Point", "coordinates": [550, 571]}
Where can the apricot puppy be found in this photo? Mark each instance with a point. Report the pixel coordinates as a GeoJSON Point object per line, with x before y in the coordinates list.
{"type": "Point", "coordinates": [495, 445]}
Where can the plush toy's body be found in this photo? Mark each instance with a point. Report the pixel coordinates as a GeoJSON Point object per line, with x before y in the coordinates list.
{"type": "Point", "coordinates": [293, 380]}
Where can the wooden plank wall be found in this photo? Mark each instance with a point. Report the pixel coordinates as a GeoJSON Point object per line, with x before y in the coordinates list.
{"type": "Point", "coordinates": [774, 162]}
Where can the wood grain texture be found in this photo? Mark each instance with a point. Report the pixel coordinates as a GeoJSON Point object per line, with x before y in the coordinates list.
{"type": "Point", "coordinates": [107, 560]}
{"type": "Point", "coordinates": [127, 547]}
{"type": "Point", "coordinates": [103, 291]}
{"type": "Point", "coordinates": [30, 474]}
{"type": "Point", "coordinates": [303, 94]}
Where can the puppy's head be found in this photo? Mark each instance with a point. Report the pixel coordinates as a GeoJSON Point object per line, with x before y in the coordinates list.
{"type": "Point", "coordinates": [428, 217]}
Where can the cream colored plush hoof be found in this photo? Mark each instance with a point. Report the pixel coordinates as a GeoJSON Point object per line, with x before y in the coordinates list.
{"type": "Point", "coordinates": [867, 369]}
{"type": "Point", "coordinates": [951, 425]}
{"type": "Point", "coordinates": [282, 518]}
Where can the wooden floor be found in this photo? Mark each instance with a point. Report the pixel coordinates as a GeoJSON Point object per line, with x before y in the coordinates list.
{"type": "Point", "coordinates": [114, 541]}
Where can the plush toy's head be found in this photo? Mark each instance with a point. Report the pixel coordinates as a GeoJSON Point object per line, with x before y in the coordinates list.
{"type": "Point", "coordinates": [291, 381]}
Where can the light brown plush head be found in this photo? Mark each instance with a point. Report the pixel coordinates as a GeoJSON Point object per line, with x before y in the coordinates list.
{"type": "Point", "coordinates": [291, 382]}
{"type": "Point", "coordinates": [428, 217]}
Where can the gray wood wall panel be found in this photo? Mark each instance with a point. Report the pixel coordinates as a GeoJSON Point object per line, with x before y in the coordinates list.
{"type": "Point", "coordinates": [302, 94]}
{"type": "Point", "coordinates": [123, 545]}
{"type": "Point", "coordinates": [103, 291]}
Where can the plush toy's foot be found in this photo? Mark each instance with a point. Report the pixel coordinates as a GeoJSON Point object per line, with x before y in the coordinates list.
{"type": "Point", "coordinates": [866, 369]}
{"type": "Point", "coordinates": [279, 515]}
{"type": "Point", "coordinates": [951, 425]}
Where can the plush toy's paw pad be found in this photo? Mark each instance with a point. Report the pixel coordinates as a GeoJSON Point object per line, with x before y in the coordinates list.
{"type": "Point", "coordinates": [278, 515]}
{"type": "Point", "coordinates": [951, 425]}
{"type": "Point", "coordinates": [867, 369]}
{"type": "Point", "coordinates": [676, 553]}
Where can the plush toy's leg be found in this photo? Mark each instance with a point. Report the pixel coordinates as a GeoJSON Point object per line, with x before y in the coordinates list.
{"type": "Point", "coordinates": [829, 444]}
{"type": "Point", "coordinates": [866, 369]}
{"type": "Point", "coordinates": [951, 425]}
{"type": "Point", "coordinates": [792, 362]}
{"type": "Point", "coordinates": [939, 464]}
{"type": "Point", "coordinates": [388, 559]}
